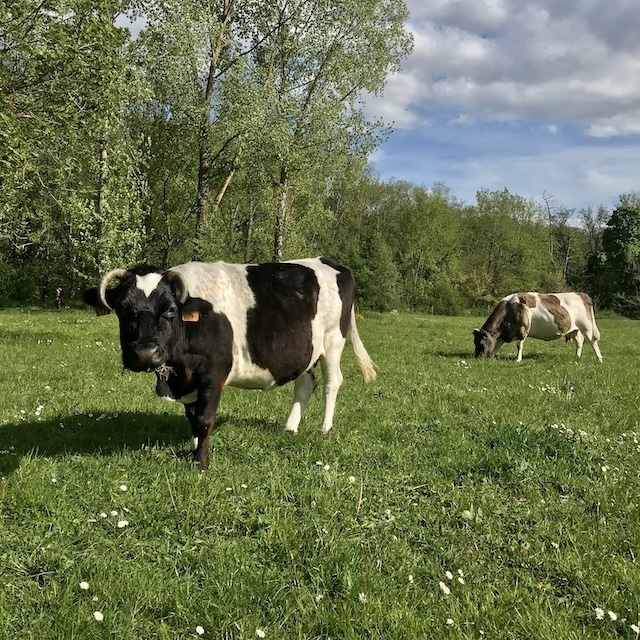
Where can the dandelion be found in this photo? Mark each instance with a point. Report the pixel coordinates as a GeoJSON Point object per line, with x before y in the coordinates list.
{"type": "Point", "coordinates": [98, 616]}
{"type": "Point", "coordinates": [84, 586]}
{"type": "Point", "coordinates": [612, 615]}
{"type": "Point", "coordinates": [352, 479]}
{"type": "Point", "coordinates": [449, 575]}
{"type": "Point", "coordinates": [450, 621]}
{"type": "Point", "coordinates": [200, 630]}
{"type": "Point", "coordinates": [260, 633]}
{"type": "Point", "coordinates": [122, 524]}
{"type": "Point", "coordinates": [444, 588]}
{"type": "Point", "coordinates": [123, 487]}
{"type": "Point", "coordinates": [362, 597]}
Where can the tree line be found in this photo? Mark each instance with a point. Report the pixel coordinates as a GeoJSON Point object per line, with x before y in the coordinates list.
{"type": "Point", "coordinates": [235, 130]}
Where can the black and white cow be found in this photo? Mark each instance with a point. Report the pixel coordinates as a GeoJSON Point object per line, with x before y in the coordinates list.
{"type": "Point", "coordinates": [203, 326]}
{"type": "Point", "coordinates": [546, 316]}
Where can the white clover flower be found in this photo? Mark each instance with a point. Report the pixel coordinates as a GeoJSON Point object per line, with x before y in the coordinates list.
{"type": "Point", "coordinates": [449, 575]}
{"type": "Point", "coordinates": [352, 479]}
{"type": "Point", "coordinates": [54, 480]}
{"type": "Point", "coordinates": [319, 463]}
{"type": "Point", "coordinates": [410, 578]}
{"type": "Point", "coordinates": [244, 486]}
{"type": "Point", "coordinates": [460, 573]}
{"type": "Point", "coordinates": [200, 630]}
{"type": "Point", "coordinates": [123, 487]}
{"type": "Point", "coordinates": [467, 514]}
{"type": "Point", "coordinates": [84, 586]}
{"type": "Point", "coordinates": [98, 616]}
{"type": "Point", "coordinates": [635, 628]}
{"type": "Point", "coordinates": [319, 596]}
{"type": "Point", "coordinates": [460, 579]}
{"type": "Point", "coordinates": [122, 524]}
{"type": "Point", "coordinates": [94, 599]}
{"type": "Point", "coordinates": [229, 489]}
{"type": "Point", "coordinates": [260, 633]}
{"type": "Point", "coordinates": [444, 588]}
{"type": "Point", "coordinates": [362, 597]}
{"type": "Point", "coordinates": [103, 515]}
{"type": "Point", "coordinates": [612, 615]}
{"type": "Point", "coordinates": [114, 513]}
{"type": "Point", "coordinates": [599, 613]}
{"type": "Point", "coordinates": [326, 467]}
{"type": "Point", "coordinates": [450, 621]}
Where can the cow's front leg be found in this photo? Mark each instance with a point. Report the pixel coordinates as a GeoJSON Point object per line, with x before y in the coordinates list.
{"type": "Point", "coordinates": [206, 408]}
{"type": "Point", "coordinates": [190, 412]}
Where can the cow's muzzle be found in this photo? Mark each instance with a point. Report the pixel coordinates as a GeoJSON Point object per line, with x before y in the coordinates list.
{"type": "Point", "coordinates": [144, 358]}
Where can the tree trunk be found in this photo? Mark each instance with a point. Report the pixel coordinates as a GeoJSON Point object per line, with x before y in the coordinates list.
{"type": "Point", "coordinates": [281, 217]}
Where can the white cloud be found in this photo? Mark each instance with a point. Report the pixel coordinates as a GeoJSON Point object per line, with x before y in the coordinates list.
{"type": "Point", "coordinates": [519, 60]}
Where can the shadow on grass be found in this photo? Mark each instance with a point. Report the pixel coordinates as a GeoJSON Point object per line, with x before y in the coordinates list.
{"type": "Point", "coordinates": [87, 434]}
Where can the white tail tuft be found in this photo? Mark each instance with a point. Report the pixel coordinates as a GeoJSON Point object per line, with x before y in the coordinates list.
{"type": "Point", "coordinates": [364, 362]}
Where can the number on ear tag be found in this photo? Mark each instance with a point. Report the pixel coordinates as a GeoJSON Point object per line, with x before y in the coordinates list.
{"type": "Point", "coordinates": [190, 316]}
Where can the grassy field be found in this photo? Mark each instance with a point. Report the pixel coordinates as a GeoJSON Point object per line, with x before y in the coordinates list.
{"type": "Point", "coordinates": [454, 498]}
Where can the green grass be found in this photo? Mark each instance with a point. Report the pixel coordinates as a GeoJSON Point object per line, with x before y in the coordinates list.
{"type": "Point", "coordinates": [524, 477]}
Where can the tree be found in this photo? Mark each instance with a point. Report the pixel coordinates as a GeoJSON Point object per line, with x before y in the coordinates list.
{"type": "Point", "coordinates": [619, 266]}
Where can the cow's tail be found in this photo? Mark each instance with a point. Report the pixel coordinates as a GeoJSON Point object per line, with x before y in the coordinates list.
{"type": "Point", "coordinates": [363, 360]}
{"type": "Point", "coordinates": [596, 331]}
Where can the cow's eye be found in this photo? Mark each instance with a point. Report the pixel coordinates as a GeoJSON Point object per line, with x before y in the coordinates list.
{"type": "Point", "coordinates": [169, 314]}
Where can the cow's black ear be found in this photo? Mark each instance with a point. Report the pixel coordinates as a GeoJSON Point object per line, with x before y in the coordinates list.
{"type": "Point", "coordinates": [90, 296]}
{"type": "Point", "coordinates": [178, 286]}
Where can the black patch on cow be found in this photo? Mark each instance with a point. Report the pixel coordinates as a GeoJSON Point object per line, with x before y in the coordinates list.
{"type": "Point", "coordinates": [279, 326]}
{"type": "Point", "coordinates": [347, 290]}
{"type": "Point", "coordinates": [199, 350]}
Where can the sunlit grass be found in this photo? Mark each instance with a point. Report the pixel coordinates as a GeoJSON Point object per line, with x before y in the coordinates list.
{"type": "Point", "coordinates": [513, 486]}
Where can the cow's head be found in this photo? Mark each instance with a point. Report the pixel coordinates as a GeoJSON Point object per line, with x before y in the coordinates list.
{"type": "Point", "coordinates": [147, 302]}
{"type": "Point", "coordinates": [485, 343]}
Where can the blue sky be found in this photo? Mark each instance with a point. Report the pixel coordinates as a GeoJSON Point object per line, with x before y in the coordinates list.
{"type": "Point", "coordinates": [536, 97]}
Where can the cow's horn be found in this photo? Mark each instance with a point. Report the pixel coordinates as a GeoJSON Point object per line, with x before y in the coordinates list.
{"type": "Point", "coordinates": [104, 283]}
{"type": "Point", "coordinates": [179, 285]}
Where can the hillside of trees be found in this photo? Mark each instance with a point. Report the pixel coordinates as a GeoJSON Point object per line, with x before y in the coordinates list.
{"type": "Point", "coordinates": [234, 130]}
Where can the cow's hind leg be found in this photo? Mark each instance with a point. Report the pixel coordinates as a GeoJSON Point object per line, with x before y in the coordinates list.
{"type": "Point", "coordinates": [332, 377]}
{"type": "Point", "coordinates": [304, 386]}
{"type": "Point", "coordinates": [592, 337]}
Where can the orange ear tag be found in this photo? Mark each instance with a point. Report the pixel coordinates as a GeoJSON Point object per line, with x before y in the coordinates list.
{"type": "Point", "coordinates": [190, 316]}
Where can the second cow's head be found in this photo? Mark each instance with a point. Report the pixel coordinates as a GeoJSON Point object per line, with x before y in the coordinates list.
{"type": "Point", "coordinates": [147, 302]}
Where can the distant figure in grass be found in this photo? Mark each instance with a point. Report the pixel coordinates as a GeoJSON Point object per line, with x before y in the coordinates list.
{"type": "Point", "coordinates": [203, 326]}
{"type": "Point", "coordinates": [545, 316]}
{"type": "Point", "coordinates": [59, 298]}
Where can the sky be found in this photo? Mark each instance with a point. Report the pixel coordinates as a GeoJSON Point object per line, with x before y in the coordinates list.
{"type": "Point", "coordinates": [538, 98]}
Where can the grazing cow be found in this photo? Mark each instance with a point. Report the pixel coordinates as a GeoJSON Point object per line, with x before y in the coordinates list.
{"type": "Point", "coordinates": [202, 326]}
{"type": "Point", "coordinates": [538, 315]}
